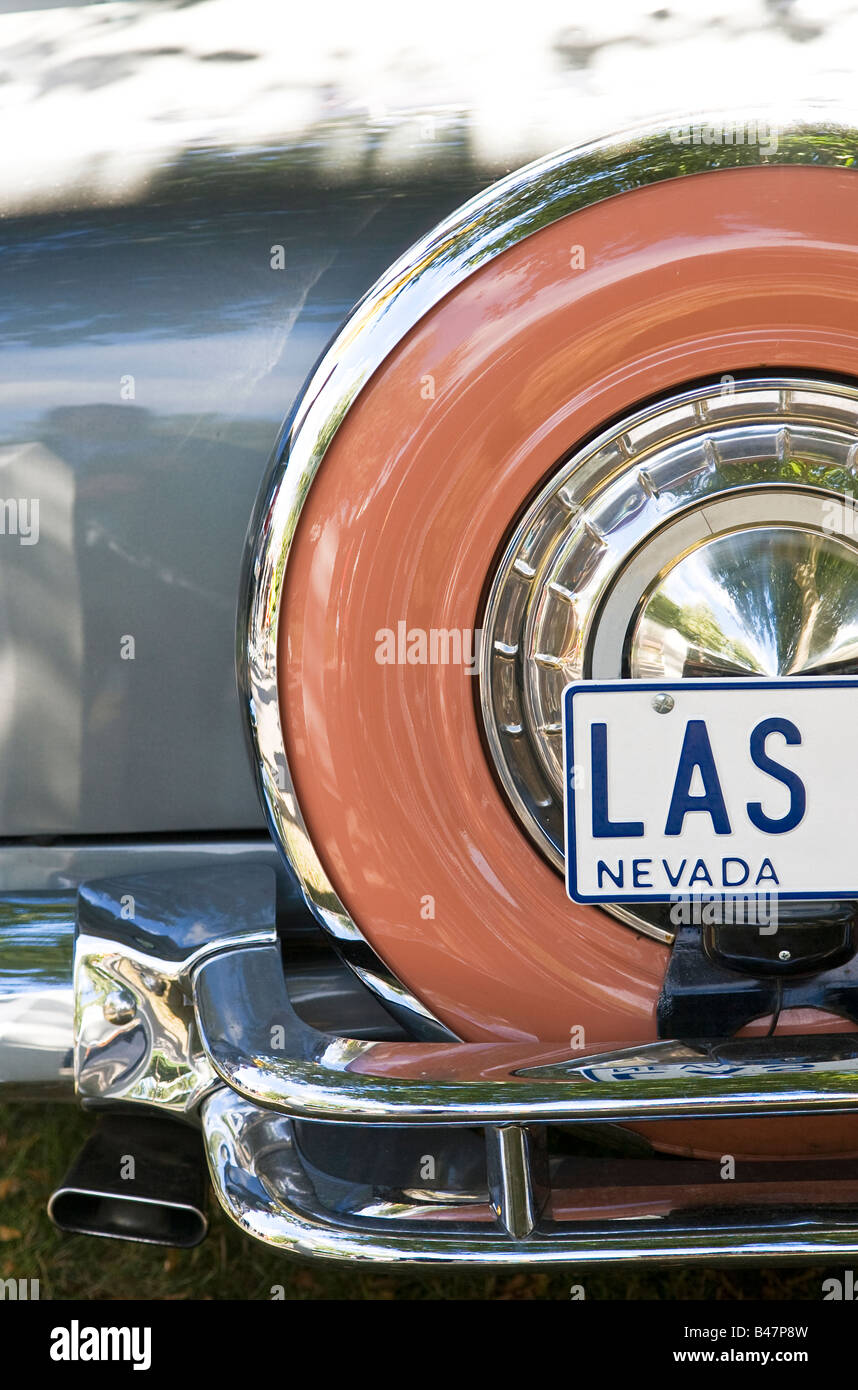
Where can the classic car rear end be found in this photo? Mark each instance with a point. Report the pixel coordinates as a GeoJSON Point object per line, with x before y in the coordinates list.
{"type": "Point", "coordinates": [594, 432]}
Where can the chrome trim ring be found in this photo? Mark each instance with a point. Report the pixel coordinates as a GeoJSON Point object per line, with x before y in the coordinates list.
{"type": "Point", "coordinates": [663, 483]}
{"type": "Point", "coordinates": [502, 216]}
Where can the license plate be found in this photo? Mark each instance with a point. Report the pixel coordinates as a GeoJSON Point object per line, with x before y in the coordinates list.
{"type": "Point", "coordinates": [697, 787]}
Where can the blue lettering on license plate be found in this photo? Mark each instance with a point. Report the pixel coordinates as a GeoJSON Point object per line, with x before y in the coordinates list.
{"type": "Point", "coordinates": [696, 786]}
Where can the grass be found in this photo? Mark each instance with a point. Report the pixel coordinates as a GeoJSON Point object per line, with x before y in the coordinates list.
{"type": "Point", "coordinates": [38, 1143]}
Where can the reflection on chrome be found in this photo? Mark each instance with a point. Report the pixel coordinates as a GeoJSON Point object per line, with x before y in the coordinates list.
{"type": "Point", "coordinates": [766, 601]}
{"type": "Point", "coordinates": [36, 996]}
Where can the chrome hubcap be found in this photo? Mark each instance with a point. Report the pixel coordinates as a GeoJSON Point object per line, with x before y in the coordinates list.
{"type": "Point", "coordinates": [711, 533]}
{"type": "Point", "coordinates": [767, 601]}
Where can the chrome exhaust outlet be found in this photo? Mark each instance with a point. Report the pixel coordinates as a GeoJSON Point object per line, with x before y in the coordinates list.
{"type": "Point", "coordinates": [137, 1178]}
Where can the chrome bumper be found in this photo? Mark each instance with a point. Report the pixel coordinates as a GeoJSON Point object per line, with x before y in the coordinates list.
{"type": "Point", "coordinates": [36, 997]}
{"type": "Point", "coordinates": [264, 1185]}
{"type": "Point", "coordinates": [320, 1076]}
{"type": "Point", "coordinates": [183, 1007]}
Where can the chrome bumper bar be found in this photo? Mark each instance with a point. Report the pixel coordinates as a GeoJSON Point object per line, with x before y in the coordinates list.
{"type": "Point", "coordinates": [264, 1186]}
{"type": "Point", "coordinates": [183, 1007]}
{"type": "Point", "coordinates": [321, 1076]}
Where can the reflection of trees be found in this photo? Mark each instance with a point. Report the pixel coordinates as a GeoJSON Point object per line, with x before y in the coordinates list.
{"type": "Point", "coordinates": [804, 599]}
{"type": "Point", "coordinates": [700, 628]}
{"type": "Point", "coordinates": [805, 472]}
{"type": "Point", "coordinates": [36, 996]}
{"type": "Point", "coordinates": [601, 175]}
{"type": "Point", "coordinates": [37, 936]}
{"type": "Point", "coordinates": [772, 602]}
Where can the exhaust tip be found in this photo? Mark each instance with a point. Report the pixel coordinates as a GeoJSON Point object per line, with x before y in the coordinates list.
{"type": "Point", "coordinates": [81, 1212]}
{"type": "Point", "coordinates": [136, 1178]}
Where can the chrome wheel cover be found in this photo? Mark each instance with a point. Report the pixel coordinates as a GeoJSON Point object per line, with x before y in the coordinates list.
{"type": "Point", "coordinates": [709, 533]}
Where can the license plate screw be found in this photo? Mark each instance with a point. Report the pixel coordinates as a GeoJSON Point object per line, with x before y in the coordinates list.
{"type": "Point", "coordinates": [784, 955]}
{"type": "Point", "coordinates": [663, 703]}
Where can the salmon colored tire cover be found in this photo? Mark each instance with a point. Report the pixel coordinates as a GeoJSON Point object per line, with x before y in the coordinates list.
{"type": "Point", "coordinates": [725, 272]}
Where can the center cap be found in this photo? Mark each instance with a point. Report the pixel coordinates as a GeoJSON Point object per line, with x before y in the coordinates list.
{"type": "Point", "coordinates": [764, 601]}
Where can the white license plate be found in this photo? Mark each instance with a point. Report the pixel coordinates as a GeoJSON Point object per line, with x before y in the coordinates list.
{"type": "Point", "coordinates": [700, 787]}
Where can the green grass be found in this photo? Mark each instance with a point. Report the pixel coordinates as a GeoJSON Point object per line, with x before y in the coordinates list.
{"type": "Point", "coordinates": [38, 1143]}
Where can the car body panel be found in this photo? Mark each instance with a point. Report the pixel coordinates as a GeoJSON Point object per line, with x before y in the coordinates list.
{"type": "Point", "coordinates": [144, 498]}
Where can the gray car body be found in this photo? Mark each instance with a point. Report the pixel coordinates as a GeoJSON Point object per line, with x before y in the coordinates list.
{"type": "Point", "coordinates": [158, 352]}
